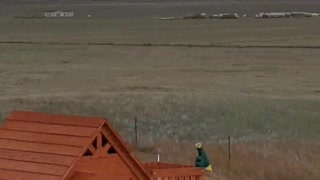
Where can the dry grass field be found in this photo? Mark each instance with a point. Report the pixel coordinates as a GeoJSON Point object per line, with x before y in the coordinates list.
{"type": "Point", "coordinates": [266, 96]}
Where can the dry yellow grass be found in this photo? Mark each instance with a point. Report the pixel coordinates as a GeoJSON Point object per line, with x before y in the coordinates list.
{"type": "Point", "coordinates": [276, 161]}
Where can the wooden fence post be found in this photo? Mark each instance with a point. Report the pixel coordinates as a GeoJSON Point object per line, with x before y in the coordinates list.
{"type": "Point", "coordinates": [136, 130]}
{"type": "Point", "coordinates": [229, 153]}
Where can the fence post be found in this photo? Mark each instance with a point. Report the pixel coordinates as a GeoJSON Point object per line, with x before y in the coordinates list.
{"type": "Point", "coordinates": [229, 153]}
{"type": "Point", "coordinates": [136, 130]}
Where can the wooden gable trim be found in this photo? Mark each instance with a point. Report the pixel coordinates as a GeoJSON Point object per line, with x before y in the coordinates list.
{"type": "Point", "coordinates": [113, 142]}
{"type": "Point", "coordinates": [70, 171]}
{"type": "Point", "coordinates": [117, 143]}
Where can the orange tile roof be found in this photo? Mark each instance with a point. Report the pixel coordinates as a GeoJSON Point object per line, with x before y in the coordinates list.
{"type": "Point", "coordinates": [46, 146]}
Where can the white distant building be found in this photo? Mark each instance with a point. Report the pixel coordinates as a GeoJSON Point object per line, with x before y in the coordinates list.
{"type": "Point", "coordinates": [53, 14]}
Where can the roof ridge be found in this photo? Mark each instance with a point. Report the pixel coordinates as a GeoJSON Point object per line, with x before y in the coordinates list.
{"type": "Point", "coordinates": [55, 114]}
{"type": "Point", "coordinates": [57, 123]}
{"type": "Point", "coordinates": [47, 118]}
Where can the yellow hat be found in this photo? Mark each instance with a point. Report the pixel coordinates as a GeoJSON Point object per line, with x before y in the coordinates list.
{"type": "Point", "coordinates": [209, 168]}
{"type": "Point", "coordinates": [198, 145]}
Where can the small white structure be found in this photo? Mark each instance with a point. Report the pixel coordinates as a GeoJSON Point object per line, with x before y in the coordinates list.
{"type": "Point", "coordinates": [196, 16]}
{"type": "Point", "coordinates": [225, 16]}
{"type": "Point", "coordinates": [273, 15]}
{"type": "Point", "coordinates": [286, 14]}
{"type": "Point", "coordinates": [54, 14]}
{"type": "Point", "coordinates": [304, 14]}
{"type": "Point", "coordinates": [167, 18]}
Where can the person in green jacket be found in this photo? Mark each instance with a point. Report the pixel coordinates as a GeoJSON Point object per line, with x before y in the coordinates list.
{"type": "Point", "coordinates": [202, 161]}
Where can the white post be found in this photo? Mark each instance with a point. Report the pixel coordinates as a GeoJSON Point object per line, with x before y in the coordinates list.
{"type": "Point", "coordinates": [158, 156]}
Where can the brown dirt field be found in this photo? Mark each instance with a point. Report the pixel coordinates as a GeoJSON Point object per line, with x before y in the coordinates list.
{"type": "Point", "coordinates": [266, 99]}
